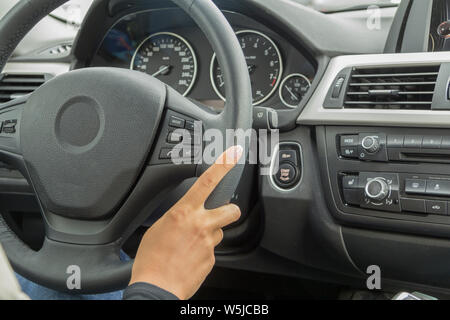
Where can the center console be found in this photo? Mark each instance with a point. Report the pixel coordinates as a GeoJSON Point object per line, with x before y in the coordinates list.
{"type": "Point", "coordinates": [389, 175]}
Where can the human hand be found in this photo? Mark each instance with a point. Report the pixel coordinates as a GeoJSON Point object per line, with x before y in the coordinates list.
{"type": "Point", "coordinates": [177, 252]}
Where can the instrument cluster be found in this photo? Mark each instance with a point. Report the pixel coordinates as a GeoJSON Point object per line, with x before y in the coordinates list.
{"type": "Point", "coordinates": [176, 52]}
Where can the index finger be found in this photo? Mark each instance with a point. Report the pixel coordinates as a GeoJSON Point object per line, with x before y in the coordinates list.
{"type": "Point", "coordinates": [208, 181]}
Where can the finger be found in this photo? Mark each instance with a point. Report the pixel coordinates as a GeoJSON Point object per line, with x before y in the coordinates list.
{"type": "Point", "coordinates": [217, 237]}
{"type": "Point", "coordinates": [223, 216]}
{"type": "Point", "coordinates": [208, 181]}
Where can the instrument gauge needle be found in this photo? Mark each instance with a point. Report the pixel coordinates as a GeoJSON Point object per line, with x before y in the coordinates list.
{"type": "Point", "coordinates": [161, 70]}
{"type": "Point", "coordinates": [292, 94]}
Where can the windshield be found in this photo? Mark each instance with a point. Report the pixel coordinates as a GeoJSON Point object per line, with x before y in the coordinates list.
{"type": "Point", "coordinates": [346, 5]}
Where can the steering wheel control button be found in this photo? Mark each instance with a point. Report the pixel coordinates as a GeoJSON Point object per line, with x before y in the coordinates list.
{"type": "Point", "coordinates": [9, 126]}
{"type": "Point", "coordinates": [176, 122]}
{"type": "Point", "coordinates": [377, 189]}
{"type": "Point", "coordinates": [286, 175]}
{"type": "Point", "coordinates": [436, 207]}
{"type": "Point", "coordinates": [416, 186]}
{"type": "Point", "coordinates": [190, 125]}
{"type": "Point", "coordinates": [371, 144]}
{"type": "Point", "coordinates": [413, 205]}
{"type": "Point", "coordinates": [165, 153]}
{"type": "Point", "coordinates": [350, 182]}
{"type": "Point", "coordinates": [175, 137]}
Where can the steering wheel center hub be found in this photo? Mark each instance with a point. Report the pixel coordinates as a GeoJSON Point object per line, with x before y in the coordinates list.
{"type": "Point", "coordinates": [79, 122]}
{"type": "Point", "coordinates": [85, 137]}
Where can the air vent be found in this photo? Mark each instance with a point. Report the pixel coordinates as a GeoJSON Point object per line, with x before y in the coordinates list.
{"type": "Point", "coordinates": [60, 49]}
{"type": "Point", "coordinates": [13, 86]}
{"type": "Point", "coordinates": [392, 88]}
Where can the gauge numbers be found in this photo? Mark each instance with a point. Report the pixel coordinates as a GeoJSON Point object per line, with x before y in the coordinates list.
{"type": "Point", "coordinates": [293, 89]}
{"type": "Point", "coordinates": [168, 57]}
{"type": "Point", "coordinates": [264, 65]}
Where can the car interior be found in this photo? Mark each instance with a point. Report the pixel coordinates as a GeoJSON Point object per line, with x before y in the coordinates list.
{"type": "Point", "coordinates": [359, 95]}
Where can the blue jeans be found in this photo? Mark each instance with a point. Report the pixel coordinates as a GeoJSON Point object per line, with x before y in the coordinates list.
{"type": "Point", "coordinates": [38, 292]}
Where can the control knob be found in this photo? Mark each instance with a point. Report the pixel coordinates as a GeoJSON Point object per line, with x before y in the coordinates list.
{"type": "Point", "coordinates": [371, 144]}
{"type": "Point", "coordinates": [377, 189]}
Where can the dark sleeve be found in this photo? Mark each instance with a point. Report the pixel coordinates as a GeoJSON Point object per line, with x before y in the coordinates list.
{"type": "Point", "coordinates": [147, 291]}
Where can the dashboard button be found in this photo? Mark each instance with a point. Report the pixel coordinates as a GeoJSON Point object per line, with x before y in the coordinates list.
{"type": "Point", "coordinates": [413, 205]}
{"type": "Point", "coordinates": [350, 182]}
{"type": "Point", "coordinates": [349, 152]}
{"type": "Point", "coordinates": [286, 174]}
{"type": "Point", "coordinates": [352, 196]}
{"type": "Point", "coordinates": [415, 185]}
{"type": "Point", "coordinates": [288, 155]}
{"type": "Point", "coordinates": [438, 188]}
{"type": "Point", "coordinates": [176, 122]}
{"type": "Point", "coordinates": [394, 141]}
{"type": "Point", "coordinates": [413, 142]}
{"type": "Point", "coordinates": [436, 207]}
{"type": "Point", "coordinates": [349, 141]}
{"type": "Point", "coordinates": [431, 142]}
{"type": "Point", "coordinates": [445, 144]}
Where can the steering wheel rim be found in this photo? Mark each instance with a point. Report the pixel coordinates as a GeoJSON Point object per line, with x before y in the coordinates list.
{"type": "Point", "coordinates": [78, 236]}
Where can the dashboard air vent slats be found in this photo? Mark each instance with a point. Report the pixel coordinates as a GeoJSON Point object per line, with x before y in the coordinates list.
{"type": "Point", "coordinates": [392, 88]}
{"type": "Point", "coordinates": [13, 86]}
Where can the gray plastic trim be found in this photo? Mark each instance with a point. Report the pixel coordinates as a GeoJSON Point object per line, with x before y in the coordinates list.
{"type": "Point", "coordinates": [314, 112]}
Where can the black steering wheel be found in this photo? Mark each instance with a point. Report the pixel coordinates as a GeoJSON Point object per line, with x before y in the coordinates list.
{"type": "Point", "coordinates": [88, 142]}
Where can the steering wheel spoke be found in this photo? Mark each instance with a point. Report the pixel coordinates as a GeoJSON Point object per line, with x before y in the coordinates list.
{"type": "Point", "coordinates": [10, 123]}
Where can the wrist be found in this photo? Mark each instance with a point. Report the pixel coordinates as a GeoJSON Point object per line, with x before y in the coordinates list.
{"type": "Point", "coordinates": [159, 282]}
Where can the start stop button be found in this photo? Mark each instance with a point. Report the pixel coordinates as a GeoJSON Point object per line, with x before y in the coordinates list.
{"type": "Point", "coordinates": [286, 175]}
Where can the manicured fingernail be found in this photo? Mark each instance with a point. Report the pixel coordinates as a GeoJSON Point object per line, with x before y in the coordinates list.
{"type": "Point", "coordinates": [234, 154]}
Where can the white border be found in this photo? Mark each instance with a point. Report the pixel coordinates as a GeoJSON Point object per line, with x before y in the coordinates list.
{"type": "Point", "coordinates": [280, 76]}
{"type": "Point", "coordinates": [194, 77]}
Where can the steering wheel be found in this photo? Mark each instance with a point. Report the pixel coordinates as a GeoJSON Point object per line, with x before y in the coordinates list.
{"type": "Point", "coordinates": [88, 142]}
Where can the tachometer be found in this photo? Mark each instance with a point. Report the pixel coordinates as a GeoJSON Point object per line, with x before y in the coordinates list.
{"type": "Point", "coordinates": [264, 65]}
{"type": "Point", "coordinates": [168, 57]}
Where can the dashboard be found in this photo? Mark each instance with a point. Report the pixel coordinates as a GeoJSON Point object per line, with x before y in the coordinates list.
{"type": "Point", "coordinates": [169, 46]}
{"type": "Point", "coordinates": [365, 112]}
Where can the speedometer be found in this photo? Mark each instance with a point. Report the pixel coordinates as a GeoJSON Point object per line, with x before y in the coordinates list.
{"type": "Point", "coordinates": [264, 65]}
{"type": "Point", "coordinates": [168, 57]}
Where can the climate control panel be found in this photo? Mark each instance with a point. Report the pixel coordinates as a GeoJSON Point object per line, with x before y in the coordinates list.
{"type": "Point", "coordinates": [373, 190]}
{"type": "Point", "coordinates": [397, 192]}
